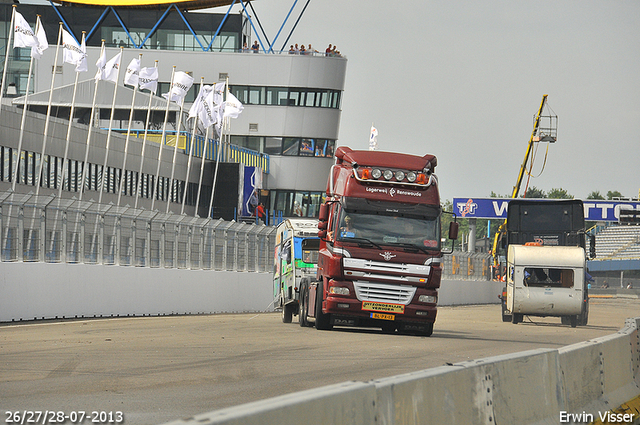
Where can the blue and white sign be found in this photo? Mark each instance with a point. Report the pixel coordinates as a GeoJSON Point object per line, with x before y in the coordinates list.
{"type": "Point", "coordinates": [496, 208]}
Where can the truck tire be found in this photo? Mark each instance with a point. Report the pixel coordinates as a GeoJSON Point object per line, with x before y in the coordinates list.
{"type": "Point", "coordinates": [573, 320]}
{"type": "Point", "coordinates": [516, 318]}
{"type": "Point", "coordinates": [323, 321]}
{"type": "Point", "coordinates": [583, 318]}
{"type": "Point", "coordinates": [506, 317]}
{"type": "Point", "coordinates": [303, 304]}
{"type": "Point", "coordinates": [287, 313]}
{"type": "Point", "coordinates": [428, 330]}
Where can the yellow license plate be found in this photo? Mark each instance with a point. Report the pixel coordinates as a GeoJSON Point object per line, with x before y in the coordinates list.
{"type": "Point", "coordinates": [383, 316]}
{"type": "Point", "coordinates": [382, 307]}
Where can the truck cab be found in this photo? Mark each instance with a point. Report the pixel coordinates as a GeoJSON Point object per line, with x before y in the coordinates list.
{"type": "Point", "coordinates": [379, 261]}
{"type": "Point", "coordinates": [295, 259]}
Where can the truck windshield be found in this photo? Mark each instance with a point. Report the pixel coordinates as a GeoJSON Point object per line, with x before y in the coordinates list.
{"type": "Point", "coordinates": [379, 229]}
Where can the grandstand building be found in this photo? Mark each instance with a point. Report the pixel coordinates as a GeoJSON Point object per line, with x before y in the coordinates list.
{"type": "Point", "coordinates": [281, 144]}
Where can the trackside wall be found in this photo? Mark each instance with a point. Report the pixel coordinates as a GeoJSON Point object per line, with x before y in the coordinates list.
{"type": "Point", "coordinates": [62, 290]}
{"type": "Point", "coordinates": [542, 386]}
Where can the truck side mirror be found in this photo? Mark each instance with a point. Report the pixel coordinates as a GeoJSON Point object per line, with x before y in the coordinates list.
{"type": "Point", "coordinates": [453, 230]}
{"type": "Point", "coordinates": [592, 246]}
{"type": "Point", "coordinates": [324, 213]}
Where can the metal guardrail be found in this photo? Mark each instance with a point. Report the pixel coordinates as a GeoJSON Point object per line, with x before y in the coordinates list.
{"type": "Point", "coordinates": [207, 148]}
{"type": "Point", "coordinates": [48, 229]}
{"type": "Point", "coordinates": [467, 265]}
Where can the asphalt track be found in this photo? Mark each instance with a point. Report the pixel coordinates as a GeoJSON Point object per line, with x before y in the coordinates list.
{"type": "Point", "coordinates": [157, 369]}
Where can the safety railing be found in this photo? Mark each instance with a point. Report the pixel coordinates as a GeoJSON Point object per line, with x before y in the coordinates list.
{"type": "Point", "coordinates": [48, 229]}
{"type": "Point", "coordinates": [467, 265]}
{"type": "Point", "coordinates": [207, 148]}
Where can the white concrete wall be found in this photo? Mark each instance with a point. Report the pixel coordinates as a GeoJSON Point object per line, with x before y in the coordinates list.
{"type": "Point", "coordinates": [39, 290]}
{"type": "Point", "coordinates": [31, 291]}
{"type": "Point", "coordinates": [542, 386]}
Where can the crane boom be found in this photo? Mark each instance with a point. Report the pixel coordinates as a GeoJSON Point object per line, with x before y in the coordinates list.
{"type": "Point", "coordinates": [516, 188]}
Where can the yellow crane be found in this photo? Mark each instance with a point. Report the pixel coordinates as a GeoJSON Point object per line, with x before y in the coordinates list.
{"type": "Point", "coordinates": [540, 133]}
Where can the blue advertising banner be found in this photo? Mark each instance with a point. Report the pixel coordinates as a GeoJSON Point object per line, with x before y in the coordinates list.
{"type": "Point", "coordinates": [496, 208]}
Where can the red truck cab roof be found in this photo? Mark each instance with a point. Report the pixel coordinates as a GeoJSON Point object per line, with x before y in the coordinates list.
{"type": "Point", "coordinates": [384, 176]}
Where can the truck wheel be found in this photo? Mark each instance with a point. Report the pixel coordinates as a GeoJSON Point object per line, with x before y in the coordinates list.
{"type": "Point", "coordinates": [323, 321]}
{"type": "Point", "coordinates": [287, 313]}
{"type": "Point", "coordinates": [565, 320]}
{"type": "Point", "coordinates": [506, 317]}
{"type": "Point", "coordinates": [304, 299]}
{"type": "Point", "coordinates": [516, 318]}
{"type": "Point", "coordinates": [428, 330]}
{"type": "Point", "coordinates": [574, 321]}
{"type": "Point", "coordinates": [583, 318]}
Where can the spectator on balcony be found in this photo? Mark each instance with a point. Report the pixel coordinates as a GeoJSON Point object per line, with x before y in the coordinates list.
{"type": "Point", "coordinates": [255, 47]}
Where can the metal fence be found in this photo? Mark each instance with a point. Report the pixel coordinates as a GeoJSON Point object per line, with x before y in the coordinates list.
{"type": "Point", "coordinates": [467, 265]}
{"type": "Point", "coordinates": [48, 229]}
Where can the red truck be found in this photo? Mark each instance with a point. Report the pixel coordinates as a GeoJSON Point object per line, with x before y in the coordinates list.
{"type": "Point", "coordinates": [379, 262]}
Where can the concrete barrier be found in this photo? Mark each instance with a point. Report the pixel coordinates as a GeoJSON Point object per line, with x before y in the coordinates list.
{"type": "Point", "coordinates": [62, 290]}
{"type": "Point", "coordinates": [581, 383]}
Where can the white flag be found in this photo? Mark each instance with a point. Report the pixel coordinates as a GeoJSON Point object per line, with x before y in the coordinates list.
{"type": "Point", "coordinates": [182, 82]}
{"type": "Point", "coordinates": [203, 107]}
{"type": "Point", "coordinates": [218, 93]}
{"type": "Point", "coordinates": [131, 76]}
{"type": "Point", "coordinates": [219, 113]}
{"type": "Point", "coordinates": [373, 139]}
{"type": "Point", "coordinates": [108, 70]}
{"type": "Point", "coordinates": [23, 35]}
{"type": "Point", "coordinates": [72, 53]}
{"type": "Point", "coordinates": [148, 79]}
{"type": "Point", "coordinates": [232, 108]}
{"type": "Point", "coordinates": [41, 38]}
{"type": "Point", "coordinates": [83, 64]}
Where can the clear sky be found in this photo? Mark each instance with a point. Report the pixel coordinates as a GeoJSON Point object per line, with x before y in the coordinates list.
{"type": "Point", "coordinates": [463, 79]}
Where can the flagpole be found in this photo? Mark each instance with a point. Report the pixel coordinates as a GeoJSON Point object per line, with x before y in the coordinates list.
{"type": "Point", "coordinates": [86, 150]}
{"type": "Point", "coordinates": [206, 141]}
{"type": "Point", "coordinates": [106, 149]}
{"type": "Point", "coordinates": [175, 152]}
{"type": "Point", "coordinates": [24, 117]}
{"type": "Point", "coordinates": [6, 55]}
{"type": "Point", "coordinates": [193, 138]}
{"type": "Point", "coordinates": [144, 145]}
{"type": "Point", "coordinates": [126, 142]}
{"type": "Point", "coordinates": [46, 123]}
{"type": "Point", "coordinates": [68, 139]}
{"type": "Point", "coordinates": [164, 132]}
{"type": "Point", "coordinates": [215, 173]}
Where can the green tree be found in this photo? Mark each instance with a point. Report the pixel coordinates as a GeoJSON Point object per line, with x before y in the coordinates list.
{"type": "Point", "coordinates": [534, 192]}
{"type": "Point", "coordinates": [558, 193]}
{"type": "Point", "coordinates": [595, 195]}
{"type": "Point", "coordinates": [614, 194]}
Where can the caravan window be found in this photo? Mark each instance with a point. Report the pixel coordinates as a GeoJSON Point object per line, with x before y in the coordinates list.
{"type": "Point", "coordinates": [548, 277]}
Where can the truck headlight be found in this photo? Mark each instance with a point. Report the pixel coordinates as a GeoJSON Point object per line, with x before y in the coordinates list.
{"type": "Point", "coordinates": [427, 299]}
{"type": "Point", "coordinates": [338, 290]}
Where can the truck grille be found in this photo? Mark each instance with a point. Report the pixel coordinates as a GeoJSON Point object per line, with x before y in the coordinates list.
{"type": "Point", "coordinates": [380, 292]}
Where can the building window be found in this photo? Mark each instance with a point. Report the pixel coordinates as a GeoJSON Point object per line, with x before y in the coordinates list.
{"type": "Point", "coordinates": [296, 203]}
